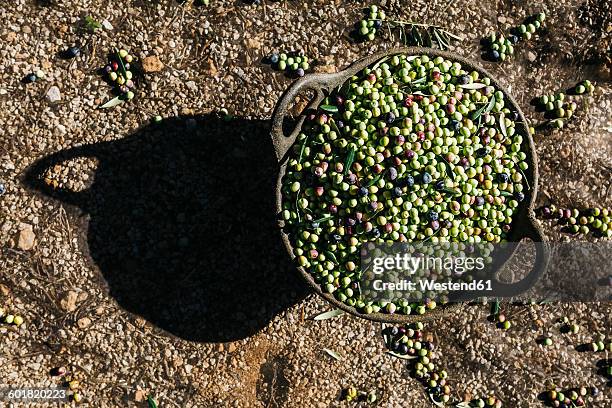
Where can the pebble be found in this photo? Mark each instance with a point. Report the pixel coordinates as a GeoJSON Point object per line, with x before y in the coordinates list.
{"type": "Point", "coordinates": [54, 94]}
{"type": "Point", "coordinates": [152, 64]}
{"type": "Point", "coordinates": [531, 56]}
{"type": "Point", "coordinates": [27, 238]}
{"type": "Point", "coordinates": [69, 303]}
{"type": "Point", "coordinates": [84, 322]}
{"type": "Point", "coordinates": [107, 25]}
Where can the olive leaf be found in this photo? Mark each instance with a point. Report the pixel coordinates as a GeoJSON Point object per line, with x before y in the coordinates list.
{"type": "Point", "coordinates": [416, 36]}
{"type": "Point", "coordinates": [402, 356]}
{"type": "Point", "coordinates": [329, 108]}
{"type": "Point", "coordinates": [449, 170]}
{"type": "Point", "coordinates": [151, 402]}
{"type": "Point", "coordinates": [375, 179]}
{"type": "Point", "coordinates": [380, 61]}
{"type": "Point", "coordinates": [502, 124]}
{"type": "Point", "coordinates": [463, 404]}
{"type": "Point", "coordinates": [506, 193]}
{"type": "Point", "coordinates": [328, 315]}
{"type": "Point", "coordinates": [443, 44]}
{"type": "Point", "coordinates": [302, 149]}
{"type": "Point", "coordinates": [333, 354]}
{"type": "Point", "coordinates": [120, 62]}
{"type": "Point", "coordinates": [495, 307]}
{"type": "Point", "coordinates": [483, 109]}
{"type": "Point", "coordinates": [474, 85]}
{"type": "Point", "coordinates": [117, 100]}
{"type": "Point", "coordinates": [386, 337]}
{"type": "Point", "coordinates": [436, 403]}
{"type": "Point", "coordinates": [332, 122]}
{"type": "Point", "coordinates": [349, 160]}
{"type": "Point", "coordinates": [331, 256]}
{"type": "Point", "coordinates": [451, 191]}
{"type": "Point", "coordinates": [320, 220]}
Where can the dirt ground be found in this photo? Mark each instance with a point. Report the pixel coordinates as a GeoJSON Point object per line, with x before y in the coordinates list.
{"type": "Point", "coordinates": [156, 266]}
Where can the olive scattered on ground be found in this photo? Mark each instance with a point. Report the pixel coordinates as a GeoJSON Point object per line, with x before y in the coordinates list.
{"type": "Point", "coordinates": [573, 397]}
{"type": "Point", "coordinates": [352, 394]}
{"type": "Point", "coordinates": [498, 46]}
{"type": "Point", "coordinates": [372, 21]}
{"type": "Point", "coordinates": [292, 63]}
{"type": "Point", "coordinates": [118, 71]}
{"type": "Point", "coordinates": [412, 343]}
{"type": "Point", "coordinates": [410, 149]}
{"type": "Point", "coordinates": [596, 221]}
{"type": "Point", "coordinates": [584, 86]}
{"type": "Point", "coordinates": [9, 318]}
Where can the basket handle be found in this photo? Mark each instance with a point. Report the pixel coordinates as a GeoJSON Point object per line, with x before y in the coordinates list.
{"type": "Point", "coordinates": [532, 231]}
{"type": "Point", "coordinates": [320, 84]}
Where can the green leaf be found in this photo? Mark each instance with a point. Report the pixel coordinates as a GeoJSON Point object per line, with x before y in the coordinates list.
{"type": "Point", "coordinates": [474, 85]}
{"type": "Point", "coordinates": [495, 307]}
{"type": "Point", "coordinates": [120, 62]}
{"type": "Point", "coordinates": [451, 35]}
{"type": "Point", "coordinates": [332, 122]}
{"type": "Point", "coordinates": [506, 193]}
{"type": "Point", "coordinates": [302, 149]}
{"type": "Point", "coordinates": [92, 24]}
{"type": "Point", "coordinates": [320, 220]}
{"type": "Point", "coordinates": [329, 108]}
{"type": "Point", "coordinates": [449, 170]}
{"type": "Point", "coordinates": [380, 61]}
{"type": "Point", "coordinates": [451, 191]}
{"type": "Point", "coordinates": [484, 108]}
{"type": "Point", "coordinates": [329, 315]}
{"type": "Point", "coordinates": [331, 256]}
{"type": "Point", "coordinates": [402, 356]}
{"type": "Point", "coordinates": [117, 100]}
{"type": "Point", "coordinates": [375, 179]}
{"type": "Point", "coordinates": [333, 354]}
{"type": "Point", "coordinates": [502, 124]}
{"type": "Point", "coordinates": [151, 402]}
{"type": "Point", "coordinates": [350, 157]}
{"type": "Point", "coordinates": [443, 44]}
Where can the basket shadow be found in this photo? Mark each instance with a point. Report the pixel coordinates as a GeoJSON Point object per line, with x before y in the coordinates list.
{"type": "Point", "coordinates": [182, 225]}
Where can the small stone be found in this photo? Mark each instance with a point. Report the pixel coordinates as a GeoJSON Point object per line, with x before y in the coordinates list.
{"type": "Point", "coordinates": [107, 25]}
{"type": "Point", "coordinates": [152, 64]}
{"type": "Point", "coordinates": [253, 43]}
{"type": "Point", "coordinates": [209, 67]}
{"type": "Point", "coordinates": [26, 238]}
{"type": "Point", "coordinates": [191, 85]}
{"type": "Point", "coordinates": [69, 302]}
{"type": "Point", "coordinates": [531, 56]}
{"type": "Point", "coordinates": [501, 19]}
{"type": "Point", "coordinates": [84, 322]}
{"type": "Point", "coordinates": [231, 347]}
{"type": "Point", "coordinates": [140, 395]}
{"type": "Point", "coordinates": [54, 94]}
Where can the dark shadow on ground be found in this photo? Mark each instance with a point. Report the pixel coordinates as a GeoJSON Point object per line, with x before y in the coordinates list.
{"type": "Point", "coordinates": [182, 225]}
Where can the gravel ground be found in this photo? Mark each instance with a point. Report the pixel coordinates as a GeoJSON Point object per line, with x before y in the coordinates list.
{"type": "Point", "coordinates": [154, 266]}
